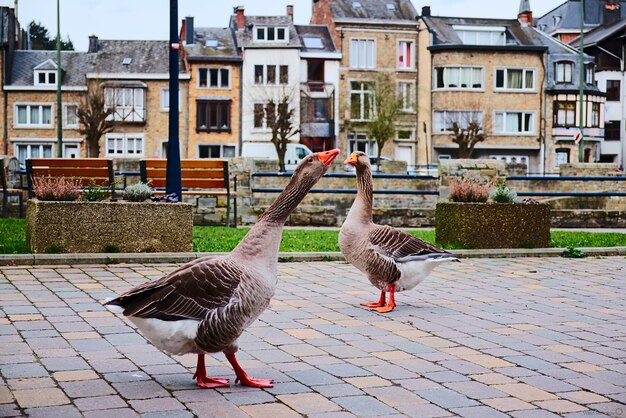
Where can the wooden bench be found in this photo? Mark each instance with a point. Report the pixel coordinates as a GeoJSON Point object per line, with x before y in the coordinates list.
{"type": "Point", "coordinates": [8, 192]}
{"type": "Point", "coordinates": [88, 171]}
{"type": "Point", "coordinates": [200, 177]}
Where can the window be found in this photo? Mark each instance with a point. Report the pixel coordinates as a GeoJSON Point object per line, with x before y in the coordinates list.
{"type": "Point", "coordinates": [70, 116]}
{"type": "Point", "coordinates": [564, 113]}
{"type": "Point", "coordinates": [266, 74]}
{"type": "Point", "coordinates": [124, 145]}
{"type": "Point", "coordinates": [515, 122]}
{"type": "Point", "coordinates": [165, 100]}
{"type": "Point", "coordinates": [362, 53]}
{"type": "Point", "coordinates": [360, 142]}
{"type": "Point", "coordinates": [564, 71]}
{"type": "Point", "coordinates": [444, 119]}
{"type": "Point", "coordinates": [262, 112]}
{"type": "Point", "coordinates": [561, 156]}
{"type": "Point", "coordinates": [406, 94]}
{"type": "Point", "coordinates": [271, 34]}
{"type": "Point", "coordinates": [361, 100]}
{"type": "Point", "coordinates": [216, 151]}
{"type": "Point", "coordinates": [595, 115]}
{"type": "Point", "coordinates": [129, 103]}
{"type": "Point", "coordinates": [39, 116]}
{"type": "Point", "coordinates": [613, 91]}
{"type": "Point", "coordinates": [481, 36]}
{"type": "Point", "coordinates": [213, 116]}
{"type": "Point", "coordinates": [45, 78]}
{"type": "Point", "coordinates": [589, 75]}
{"type": "Point", "coordinates": [214, 78]}
{"type": "Point", "coordinates": [311, 42]}
{"type": "Point", "coordinates": [612, 130]}
{"type": "Point", "coordinates": [26, 151]}
{"type": "Point", "coordinates": [405, 55]}
{"type": "Point", "coordinates": [470, 78]}
{"type": "Point", "coordinates": [515, 79]}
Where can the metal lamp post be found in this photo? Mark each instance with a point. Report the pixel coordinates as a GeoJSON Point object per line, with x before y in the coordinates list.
{"type": "Point", "coordinates": [581, 82]}
{"type": "Point", "coordinates": [173, 174]}
{"type": "Point", "coordinates": [59, 110]}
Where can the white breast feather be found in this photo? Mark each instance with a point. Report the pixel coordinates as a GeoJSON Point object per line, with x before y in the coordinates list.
{"type": "Point", "coordinates": [413, 272]}
{"type": "Point", "coordinates": [174, 337]}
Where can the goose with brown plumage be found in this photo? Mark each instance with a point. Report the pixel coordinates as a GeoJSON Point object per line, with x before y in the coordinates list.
{"type": "Point", "coordinates": [205, 305]}
{"type": "Point", "coordinates": [393, 260]}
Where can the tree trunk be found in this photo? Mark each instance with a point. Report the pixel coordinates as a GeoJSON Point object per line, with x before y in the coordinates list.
{"type": "Point", "coordinates": [281, 149]}
{"type": "Point", "coordinates": [93, 148]}
{"type": "Point", "coordinates": [380, 149]}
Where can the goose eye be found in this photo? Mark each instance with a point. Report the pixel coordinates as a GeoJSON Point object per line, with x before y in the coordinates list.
{"type": "Point", "coordinates": [310, 160]}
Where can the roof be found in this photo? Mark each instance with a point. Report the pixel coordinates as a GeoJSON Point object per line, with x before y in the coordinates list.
{"type": "Point", "coordinates": [600, 33]}
{"type": "Point", "coordinates": [74, 64]}
{"type": "Point", "coordinates": [226, 49]}
{"type": "Point", "coordinates": [245, 38]}
{"type": "Point", "coordinates": [373, 10]}
{"type": "Point", "coordinates": [320, 32]}
{"type": "Point", "coordinates": [566, 17]}
{"type": "Point", "coordinates": [147, 57]}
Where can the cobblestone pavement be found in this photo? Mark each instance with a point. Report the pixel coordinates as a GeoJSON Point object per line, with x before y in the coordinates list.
{"type": "Point", "coordinates": [525, 337]}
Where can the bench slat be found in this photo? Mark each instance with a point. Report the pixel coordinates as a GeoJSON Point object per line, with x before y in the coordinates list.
{"type": "Point", "coordinates": [78, 172]}
{"type": "Point", "coordinates": [70, 162]}
{"type": "Point", "coordinates": [201, 163]}
{"type": "Point", "coordinates": [160, 173]}
{"type": "Point", "coordinates": [192, 183]}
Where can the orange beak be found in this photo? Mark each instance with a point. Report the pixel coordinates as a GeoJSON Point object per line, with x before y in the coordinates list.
{"type": "Point", "coordinates": [327, 157]}
{"type": "Point", "coordinates": [351, 159]}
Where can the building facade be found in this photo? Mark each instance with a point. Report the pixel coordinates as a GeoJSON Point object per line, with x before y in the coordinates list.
{"type": "Point", "coordinates": [374, 37]}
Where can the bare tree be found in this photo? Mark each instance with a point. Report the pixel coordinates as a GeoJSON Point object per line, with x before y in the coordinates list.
{"type": "Point", "coordinates": [94, 118]}
{"type": "Point", "coordinates": [386, 106]}
{"type": "Point", "coordinates": [466, 130]}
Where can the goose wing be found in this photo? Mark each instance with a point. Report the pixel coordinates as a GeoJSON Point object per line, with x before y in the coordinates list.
{"type": "Point", "coordinates": [190, 292]}
{"type": "Point", "coordinates": [400, 246]}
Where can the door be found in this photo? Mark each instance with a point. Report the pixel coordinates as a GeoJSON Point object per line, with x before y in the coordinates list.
{"type": "Point", "coordinates": [71, 151]}
{"type": "Point", "coordinates": [404, 153]}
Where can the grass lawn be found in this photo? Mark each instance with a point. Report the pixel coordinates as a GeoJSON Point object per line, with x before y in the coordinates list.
{"type": "Point", "coordinates": [221, 239]}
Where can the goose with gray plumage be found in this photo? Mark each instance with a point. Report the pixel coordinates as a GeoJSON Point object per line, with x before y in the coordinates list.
{"type": "Point", "coordinates": [393, 260]}
{"type": "Point", "coordinates": [205, 305]}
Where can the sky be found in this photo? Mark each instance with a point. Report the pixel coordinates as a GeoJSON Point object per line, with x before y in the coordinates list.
{"type": "Point", "coordinates": [149, 19]}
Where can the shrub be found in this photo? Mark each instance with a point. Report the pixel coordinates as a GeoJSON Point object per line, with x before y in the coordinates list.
{"type": "Point", "coordinates": [503, 194]}
{"type": "Point", "coordinates": [573, 252]}
{"type": "Point", "coordinates": [56, 188]}
{"type": "Point", "coordinates": [138, 192]}
{"type": "Point", "coordinates": [468, 190]}
{"type": "Point", "coordinates": [95, 192]}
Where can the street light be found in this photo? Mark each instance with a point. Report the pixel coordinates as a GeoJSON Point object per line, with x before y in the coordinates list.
{"type": "Point", "coordinates": [581, 82]}
{"type": "Point", "coordinates": [172, 173]}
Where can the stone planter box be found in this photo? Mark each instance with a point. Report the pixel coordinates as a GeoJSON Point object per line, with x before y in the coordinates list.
{"type": "Point", "coordinates": [493, 225]}
{"type": "Point", "coordinates": [96, 227]}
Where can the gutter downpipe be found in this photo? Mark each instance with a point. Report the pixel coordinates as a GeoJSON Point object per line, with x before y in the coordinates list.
{"type": "Point", "coordinates": [544, 103]}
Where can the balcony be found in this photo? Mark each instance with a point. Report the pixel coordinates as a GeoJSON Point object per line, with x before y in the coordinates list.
{"type": "Point", "coordinates": [317, 115]}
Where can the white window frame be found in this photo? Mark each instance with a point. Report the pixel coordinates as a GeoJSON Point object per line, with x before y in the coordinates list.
{"type": "Point", "coordinates": [364, 94]}
{"type": "Point", "coordinates": [369, 56]}
{"type": "Point", "coordinates": [525, 70]}
{"type": "Point", "coordinates": [30, 144]}
{"type": "Point", "coordinates": [220, 85]}
{"type": "Point", "coordinates": [497, 34]}
{"type": "Point", "coordinates": [400, 47]}
{"type": "Point", "coordinates": [564, 65]}
{"type": "Point", "coordinates": [47, 73]}
{"type": "Point", "coordinates": [126, 137]}
{"type": "Point", "coordinates": [590, 74]}
{"type": "Point", "coordinates": [442, 116]}
{"type": "Point", "coordinates": [66, 125]}
{"type": "Point", "coordinates": [165, 104]}
{"type": "Point", "coordinates": [133, 112]}
{"type": "Point", "coordinates": [28, 124]}
{"type": "Point", "coordinates": [509, 159]}
{"type": "Point", "coordinates": [406, 90]}
{"type": "Point", "coordinates": [561, 151]}
{"type": "Point", "coordinates": [370, 144]}
{"type": "Point", "coordinates": [265, 33]}
{"type": "Point", "coordinates": [234, 146]}
{"type": "Point", "coordinates": [506, 131]}
{"type": "Point", "coordinates": [265, 79]}
{"type": "Point", "coordinates": [460, 68]}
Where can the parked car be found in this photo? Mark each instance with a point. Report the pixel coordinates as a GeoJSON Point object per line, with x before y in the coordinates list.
{"type": "Point", "coordinates": [373, 163]}
{"type": "Point", "coordinates": [295, 152]}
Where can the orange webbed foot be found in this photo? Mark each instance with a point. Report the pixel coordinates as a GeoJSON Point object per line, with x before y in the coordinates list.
{"type": "Point", "coordinates": [255, 383]}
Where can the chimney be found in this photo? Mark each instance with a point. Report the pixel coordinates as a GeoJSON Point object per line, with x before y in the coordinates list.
{"type": "Point", "coordinates": [525, 15]}
{"type": "Point", "coordinates": [241, 18]}
{"type": "Point", "coordinates": [189, 31]}
{"type": "Point", "coordinates": [426, 11]}
{"type": "Point", "coordinates": [611, 12]}
{"type": "Point", "coordinates": [93, 44]}
{"type": "Point", "coordinates": [290, 11]}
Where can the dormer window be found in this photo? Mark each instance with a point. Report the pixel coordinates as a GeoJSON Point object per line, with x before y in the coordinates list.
{"type": "Point", "coordinates": [45, 78]}
{"type": "Point", "coordinates": [564, 71]}
{"type": "Point", "coordinates": [391, 7]}
{"type": "Point", "coordinates": [356, 5]}
{"type": "Point", "coordinates": [271, 34]}
{"type": "Point", "coordinates": [211, 43]}
{"type": "Point", "coordinates": [589, 75]}
{"type": "Point", "coordinates": [481, 35]}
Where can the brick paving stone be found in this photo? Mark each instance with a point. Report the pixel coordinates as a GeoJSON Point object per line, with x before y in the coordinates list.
{"type": "Point", "coordinates": [55, 364]}
{"type": "Point", "coordinates": [341, 389]}
{"type": "Point", "coordinates": [10, 410]}
{"type": "Point", "coordinates": [270, 410]}
{"type": "Point", "coordinates": [446, 376]}
{"type": "Point", "coordinates": [5, 395]}
{"type": "Point", "coordinates": [344, 370]}
{"type": "Point", "coordinates": [446, 398]}
{"type": "Point", "coordinates": [478, 412]}
{"type": "Point", "coordinates": [309, 403]}
{"type": "Point", "coordinates": [114, 412]}
{"type": "Point", "coordinates": [249, 397]}
{"type": "Point", "coordinates": [281, 388]}
{"type": "Point", "coordinates": [83, 388]}
{"type": "Point", "coordinates": [560, 406]}
{"type": "Point", "coordinates": [475, 390]}
{"type": "Point", "coordinates": [508, 404]}
{"type": "Point", "coordinates": [313, 377]}
{"type": "Point", "coordinates": [67, 376]}
{"type": "Point", "coordinates": [140, 390]}
{"type": "Point", "coordinates": [364, 406]}
{"type": "Point", "coordinates": [168, 414]}
{"type": "Point", "coordinates": [32, 398]}
{"type": "Point", "coordinates": [395, 396]}
{"type": "Point", "coordinates": [65, 411]}
{"type": "Point", "coordinates": [525, 392]}
{"type": "Point", "coordinates": [156, 405]}
{"type": "Point", "coordinates": [16, 371]}
{"type": "Point", "coordinates": [368, 382]}
{"type": "Point", "coordinates": [99, 402]}
{"type": "Point", "coordinates": [582, 397]}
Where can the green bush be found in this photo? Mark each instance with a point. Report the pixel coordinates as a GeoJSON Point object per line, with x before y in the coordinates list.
{"type": "Point", "coordinates": [503, 194]}
{"type": "Point", "coordinates": [95, 192]}
{"type": "Point", "coordinates": [138, 192]}
{"type": "Point", "coordinates": [468, 191]}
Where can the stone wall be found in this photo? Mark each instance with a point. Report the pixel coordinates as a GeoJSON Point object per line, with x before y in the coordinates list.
{"type": "Point", "coordinates": [590, 169]}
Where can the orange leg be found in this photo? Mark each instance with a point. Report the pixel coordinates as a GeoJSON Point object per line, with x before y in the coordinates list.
{"type": "Point", "coordinates": [243, 377]}
{"type": "Point", "coordinates": [381, 302]}
{"type": "Point", "coordinates": [392, 301]}
{"type": "Point", "coordinates": [203, 380]}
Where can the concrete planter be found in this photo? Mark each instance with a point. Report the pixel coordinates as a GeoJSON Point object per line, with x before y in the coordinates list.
{"type": "Point", "coordinates": [95, 227]}
{"type": "Point", "coordinates": [493, 225]}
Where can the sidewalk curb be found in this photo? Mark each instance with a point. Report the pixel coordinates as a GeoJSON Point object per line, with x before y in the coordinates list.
{"type": "Point", "coordinates": [177, 258]}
